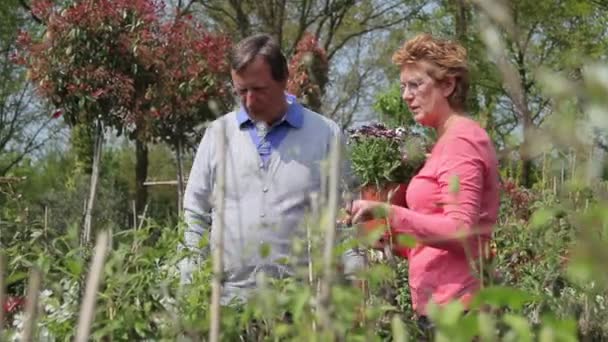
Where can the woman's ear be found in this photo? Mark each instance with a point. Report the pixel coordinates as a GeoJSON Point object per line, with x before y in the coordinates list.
{"type": "Point", "coordinates": [448, 86]}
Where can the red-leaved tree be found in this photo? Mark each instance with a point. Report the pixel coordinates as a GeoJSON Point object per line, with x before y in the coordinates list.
{"type": "Point", "coordinates": [121, 64]}
{"type": "Point", "coordinates": [94, 63]}
{"type": "Point", "coordinates": [308, 72]}
{"type": "Point", "coordinates": [193, 87]}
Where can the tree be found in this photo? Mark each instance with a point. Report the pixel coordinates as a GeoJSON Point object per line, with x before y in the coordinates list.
{"type": "Point", "coordinates": [25, 126]}
{"type": "Point", "coordinates": [554, 35]}
{"type": "Point", "coordinates": [95, 63]}
{"type": "Point", "coordinates": [505, 94]}
{"type": "Point", "coordinates": [344, 29]}
{"type": "Point", "coordinates": [192, 87]}
{"type": "Point", "coordinates": [308, 69]}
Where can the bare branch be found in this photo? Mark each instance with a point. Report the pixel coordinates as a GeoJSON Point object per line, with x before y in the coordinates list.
{"type": "Point", "coordinates": [542, 106]}
{"type": "Point", "coordinates": [219, 10]}
{"type": "Point", "coordinates": [369, 29]}
{"type": "Point", "coordinates": [28, 8]}
{"type": "Point", "coordinates": [241, 18]}
{"type": "Point", "coordinates": [30, 147]}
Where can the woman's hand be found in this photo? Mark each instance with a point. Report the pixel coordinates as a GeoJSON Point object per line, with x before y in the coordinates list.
{"type": "Point", "coordinates": [363, 210]}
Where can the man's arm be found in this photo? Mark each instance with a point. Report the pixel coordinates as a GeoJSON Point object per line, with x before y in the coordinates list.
{"type": "Point", "coordinates": [198, 203]}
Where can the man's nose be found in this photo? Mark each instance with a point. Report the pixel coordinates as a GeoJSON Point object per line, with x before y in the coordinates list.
{"type": "Point", "coordinates": [250, 98]}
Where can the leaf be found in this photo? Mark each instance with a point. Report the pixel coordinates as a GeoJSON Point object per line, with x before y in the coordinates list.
{"type": "Point", "coordinates": [487, 327]}
{"type": "Point", "coordinates": [399, 332]}
{"type": "Point", "coordinates": [302, 298]}
{"type": "Point", "coordinates": [265, 250]}
{"type": "Point", "coordinates": [15, 277]}
{"type": "Point", "coordinates": [500, 296]}
{"type": "Point", "coordinates": [520, 326]}
{"type": "Point", "coordinates": [562, 330]}
{"type": "Point", "coordinates": [546, 334]}
{"type": "Point", "coordinates": [74, 267]}
{"type": "Point", "coordinates": [580, 270]}
{"type": "Point", "coordinates": [454, 184]}
{"type": "Point", "coordinates": [451, 313]}
{"type": "Point", "coordinates": [373, 234]}
{"type": "Point", "coordinates": [281, 330]}
{"type": "Point", "coordinates": [406, 240]}
{"type": "Point", "coordinates": [541, 218]}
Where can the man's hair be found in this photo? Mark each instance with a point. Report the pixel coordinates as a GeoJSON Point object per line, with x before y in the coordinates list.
{"type": "Point", "coordinates": [260, 45]}
{"type": "Point", "coordinates": [445, 58]}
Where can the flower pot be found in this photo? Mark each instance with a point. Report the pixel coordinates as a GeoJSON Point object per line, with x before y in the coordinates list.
{"type": "Point", "coordinates": [398, 199]}
{"type": "Point", "coordinates": [374, 193]}
{"type": "Point", "coordinates": [381, 194]}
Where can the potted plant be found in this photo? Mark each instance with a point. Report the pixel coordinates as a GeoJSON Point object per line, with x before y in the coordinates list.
{"type": "Point", "coordinates": [384, 160]}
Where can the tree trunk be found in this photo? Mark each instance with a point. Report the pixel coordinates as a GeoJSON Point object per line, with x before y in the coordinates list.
{"type": "Point", "coordinates": [82, 141]}
{"type": "Point", "coordinates": [526, 155]}
{"type": "Point", "coordinates": [180, 177]}
{"type": "Point", "coordinates": [88, 214]}
{"type": "Point", "coordinates": [461, 21]}
{"type": "Point", "coordinates": [141, 174]}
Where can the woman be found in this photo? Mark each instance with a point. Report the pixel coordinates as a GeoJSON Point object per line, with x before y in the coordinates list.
{"type": "Point", "coordinates": [453, 200]}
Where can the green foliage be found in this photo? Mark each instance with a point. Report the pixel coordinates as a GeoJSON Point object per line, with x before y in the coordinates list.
{"type": "Point", "coordinates": [546, 280]}
{"type": "Point", "coordinates": [392, 108]}
{"type": "Point", "coordinates": [82, 140]}
{"type": "Point", "coordinates": [533, 297]}
{"type": "Point", "coordinates": [380, 155]}
{"type": "Point", "coordinates": [377, 161]}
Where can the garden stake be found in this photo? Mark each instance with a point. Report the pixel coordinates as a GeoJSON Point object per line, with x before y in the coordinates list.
{"type": "Point", "coordinates": [314, 200]}
{"type": "Point", "coordinates": [134, 215]}
{"type": "Point", "coordinates": [31, 305]}
{"type": "Point", "coordinates": [214, 331]}
{"type": "Point", "coordinates": [88, 215]}
{"type": "Point", "coordinates": [87, 310]}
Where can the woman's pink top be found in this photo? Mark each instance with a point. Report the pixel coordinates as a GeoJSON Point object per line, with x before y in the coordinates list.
{"type": "Point", "coordinates": [453, 204]}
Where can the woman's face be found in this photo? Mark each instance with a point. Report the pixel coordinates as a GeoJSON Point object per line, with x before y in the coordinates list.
{"type": "Point", "coordinates": [426, 98]}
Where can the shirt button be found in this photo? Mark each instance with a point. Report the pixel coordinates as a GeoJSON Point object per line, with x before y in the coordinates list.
{"type": "Point", "coordinates": [261, 165]}
{"type": "Point", "coordinates": [265, 189]}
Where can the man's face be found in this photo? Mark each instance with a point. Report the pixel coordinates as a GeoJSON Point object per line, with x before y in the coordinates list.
{"type": "Point", "coordinates": [260, 94]}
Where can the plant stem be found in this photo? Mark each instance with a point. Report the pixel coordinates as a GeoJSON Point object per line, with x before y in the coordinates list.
{"type": "Point", "coordinates": [330, 232]}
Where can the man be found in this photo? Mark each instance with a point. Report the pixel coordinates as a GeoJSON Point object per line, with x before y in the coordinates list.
{"type": "Point", "coordinates": [274, 150]}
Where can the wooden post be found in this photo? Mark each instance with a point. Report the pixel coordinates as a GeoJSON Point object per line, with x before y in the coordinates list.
{"type": "Point", "coordinates": [314, 200]}
{"type": "Point", "coordinates": [134, 211]}
{"type": "Point", "coordinates": [554, 185]}
{"type": "Point", "coordinates": [87, 310]}
{"type": "Point", "coordinates": [88, 216]}
{"type": "Point", "coordinates": [180, 178]}
{"type": "Point", "coordinates": [46, 225]}
{"type": "Point", "coordinates": [573, 166]}
{"type": "Point", "coordinates": [218, 250]}
{"type": "Point", "coordinates": [31, 305]}
{"type": "Point", "coordinates": [544, 173]}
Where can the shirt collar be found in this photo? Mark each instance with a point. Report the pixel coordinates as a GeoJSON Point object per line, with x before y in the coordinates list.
{"type": "Point", "coordinates": [294, 116]}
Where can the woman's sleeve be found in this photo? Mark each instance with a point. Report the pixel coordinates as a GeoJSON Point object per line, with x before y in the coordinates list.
{"type": "Point", "coordinates": [460, 174]}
